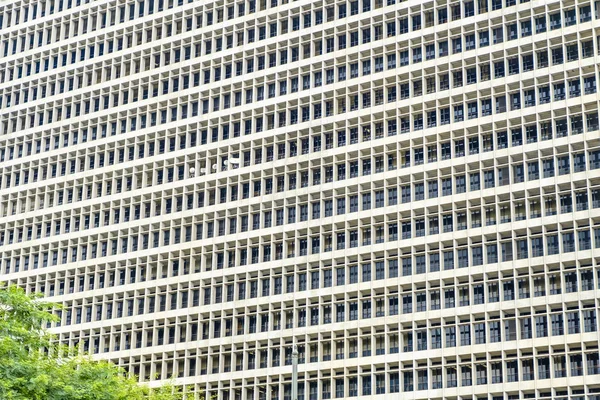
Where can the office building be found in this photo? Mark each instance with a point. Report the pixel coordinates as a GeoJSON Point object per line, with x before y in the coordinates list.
{"type": "Point", "coordinates": [410, 191]}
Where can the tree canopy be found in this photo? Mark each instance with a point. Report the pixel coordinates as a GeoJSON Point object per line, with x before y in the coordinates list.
{"type": "Point", "coordinates": [33, 366]}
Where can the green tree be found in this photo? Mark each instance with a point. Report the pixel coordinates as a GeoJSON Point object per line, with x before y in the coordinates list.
{"type": "Point", "coordinates": [34, 367]}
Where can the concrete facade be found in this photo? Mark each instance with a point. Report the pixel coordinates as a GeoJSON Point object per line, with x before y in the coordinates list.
{"type": "Point", "coordinates": [410, 191]}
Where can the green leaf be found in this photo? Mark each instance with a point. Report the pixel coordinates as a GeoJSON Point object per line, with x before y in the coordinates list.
{"type": "Point", "coordinates": [30, 368]}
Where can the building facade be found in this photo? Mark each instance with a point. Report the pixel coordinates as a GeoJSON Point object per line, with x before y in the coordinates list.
{"type": "Point", "coordinates": [410, 191]}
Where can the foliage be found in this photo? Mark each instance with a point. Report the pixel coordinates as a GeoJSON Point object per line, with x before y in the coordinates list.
{"type": "Point", "coordinates": [34, 367]}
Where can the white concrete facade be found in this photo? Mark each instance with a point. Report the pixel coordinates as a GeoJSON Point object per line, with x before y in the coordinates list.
{"type": "Point", "coordinates": [410, 191]}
